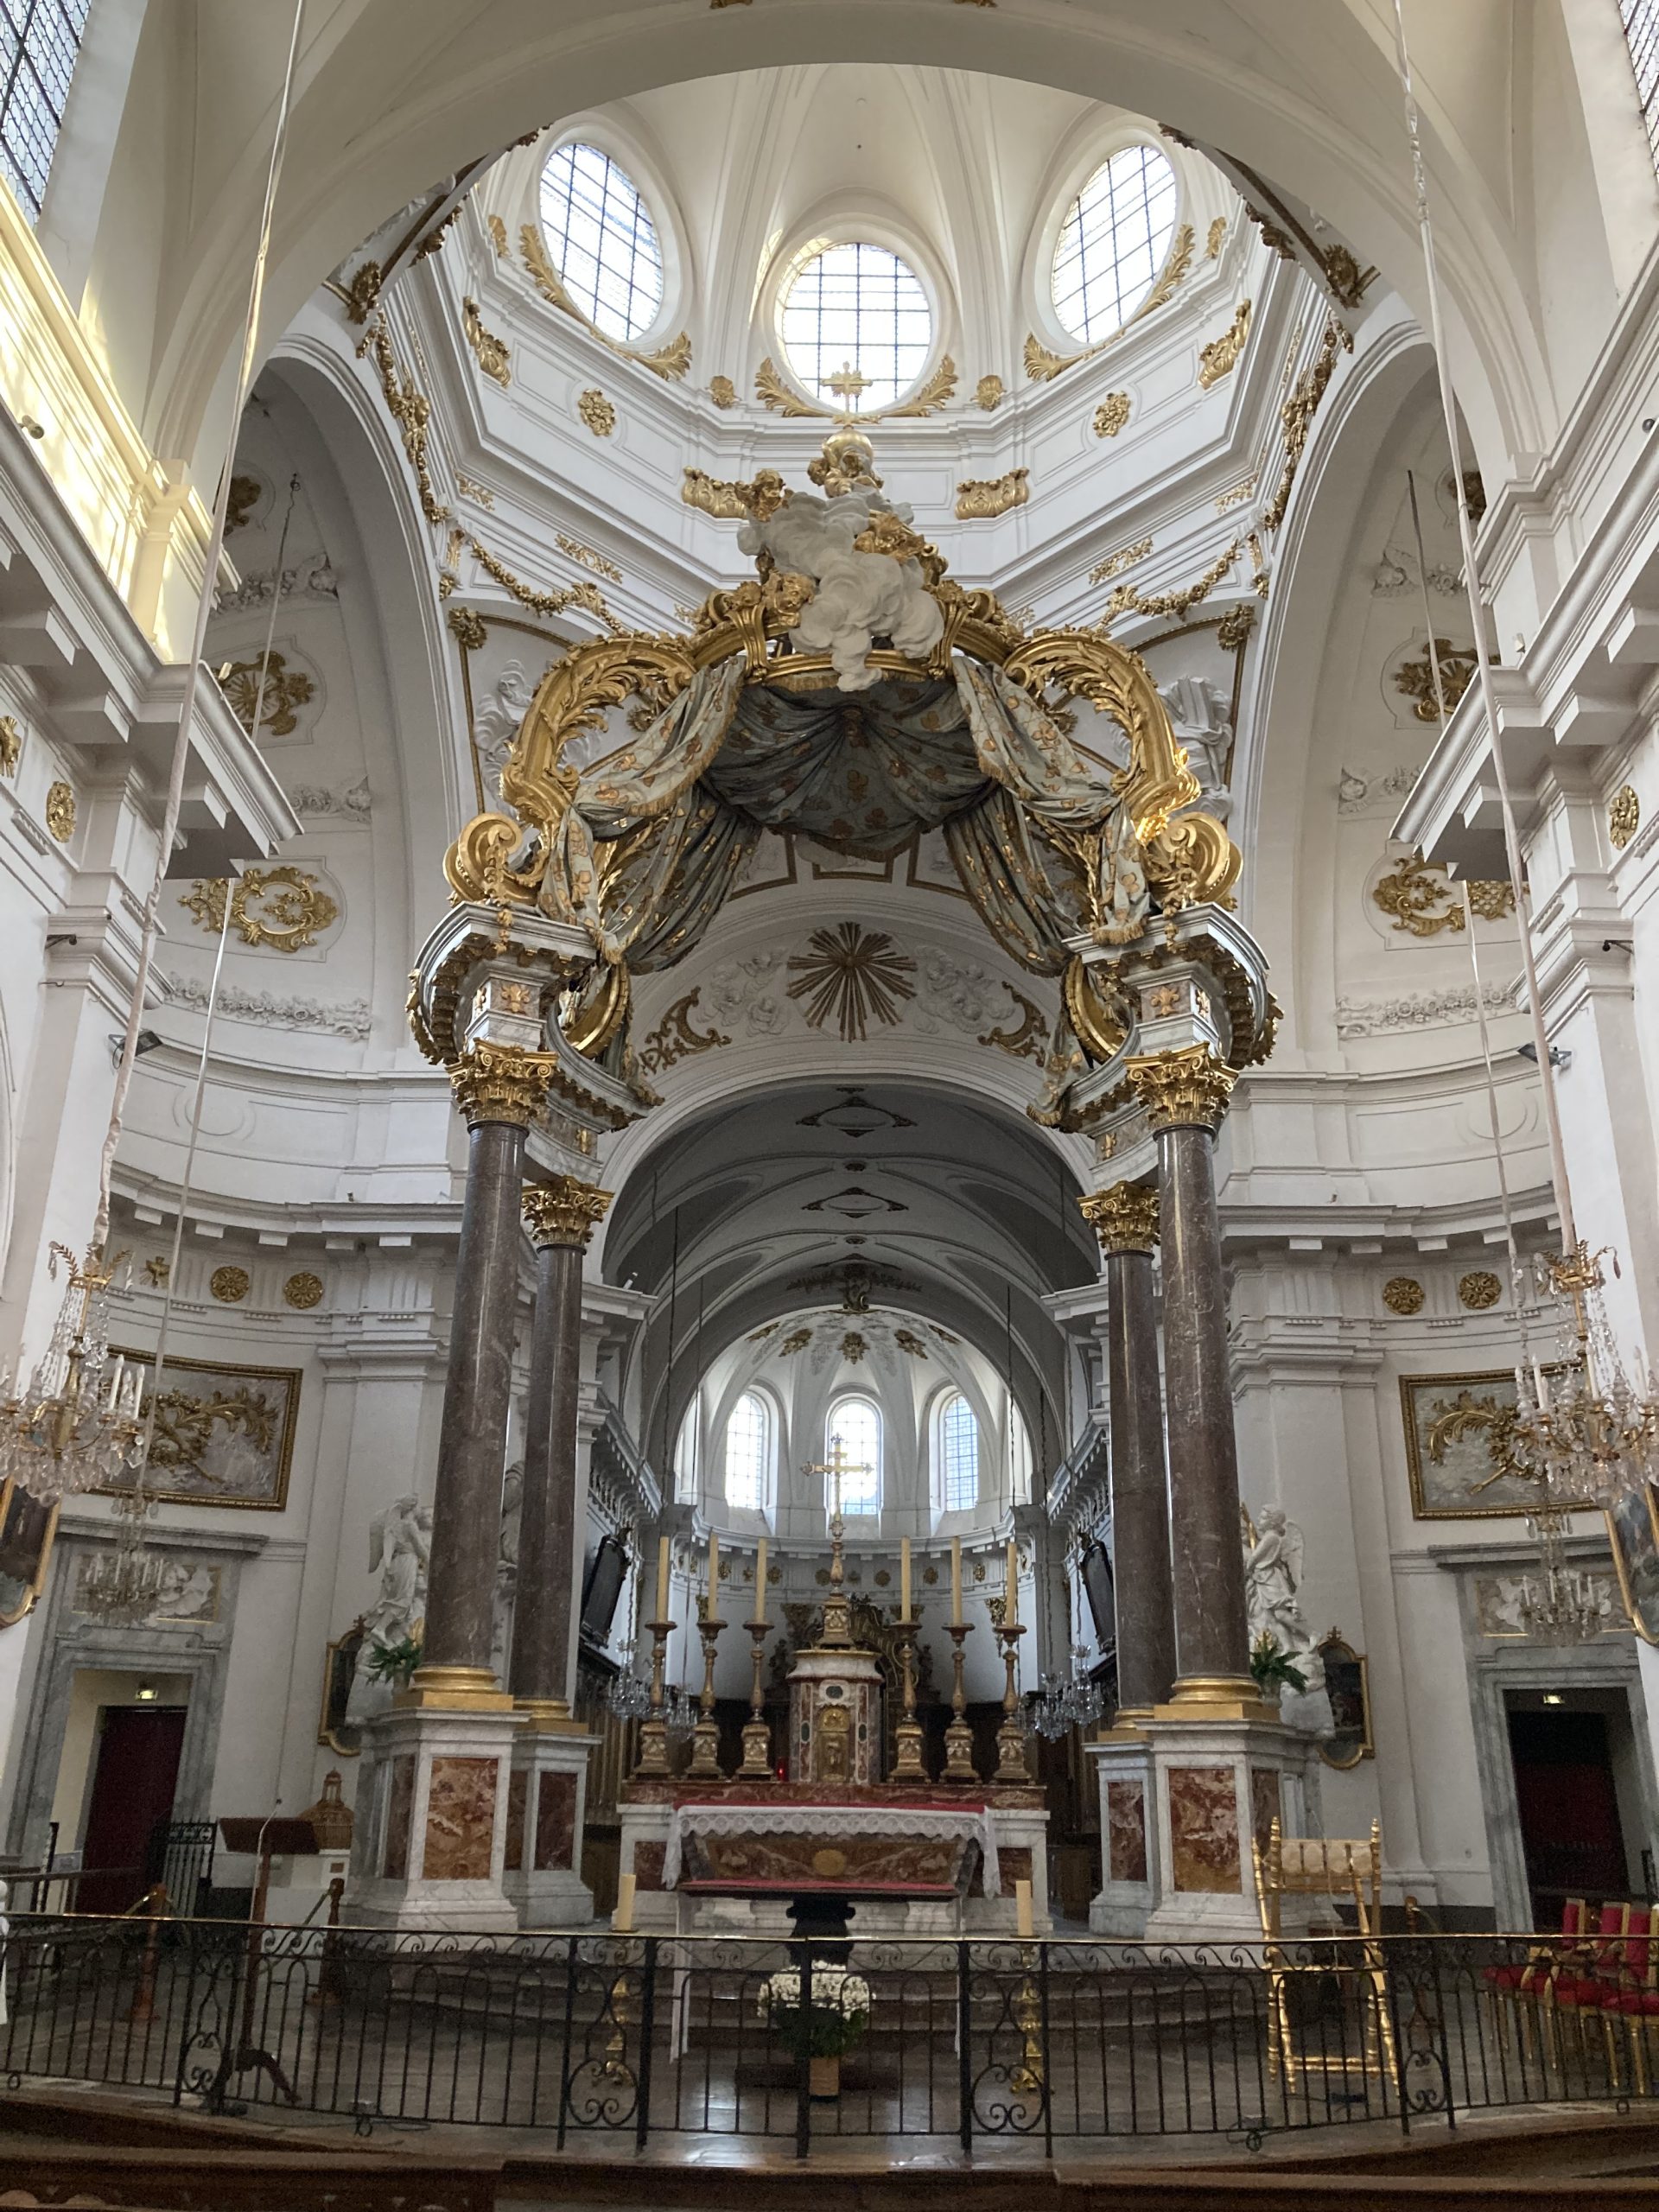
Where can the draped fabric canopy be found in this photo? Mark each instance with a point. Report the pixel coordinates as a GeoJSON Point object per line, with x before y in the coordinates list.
{"type": "Point", "coordinates": [656, 833]}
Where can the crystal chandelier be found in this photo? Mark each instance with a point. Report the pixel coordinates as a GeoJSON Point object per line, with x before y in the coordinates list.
{"type": "Point", "coordinates": [1559, 1604]}
{"type": "Point", "coordinates": [629, 1696]}
{"type": "Point", "coordinates": [1065, 1701]}
{"type": "Point", "coordinates": [1589, 1427]}
{"type": "Point", "coordinates": [124, 1586]}
{"type": "Point", "coordinates": [76, 1425]}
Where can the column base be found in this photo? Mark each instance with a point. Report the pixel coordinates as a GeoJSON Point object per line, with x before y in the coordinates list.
{"type": "Point", "coordinates": [1221, 1697]}
{"type": "Point", "coordinates": [431, 1840]}
{"type": "Point", "coordinates": [547, 1807]}
{"type": "Point", "coordinates": [1217, 1782]}
{"type": "Point", "coordinates": [1122, 1757]}
{"type": "Point", "coordinates": [452, 1690]}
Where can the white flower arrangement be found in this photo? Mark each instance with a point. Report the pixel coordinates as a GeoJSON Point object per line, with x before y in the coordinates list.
{"type": "Point", "coordinates": [836, 2015]}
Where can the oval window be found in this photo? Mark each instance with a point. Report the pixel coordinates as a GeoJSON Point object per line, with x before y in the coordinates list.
{"type": "Point", "coordinates": [856, 327]}
{"type": "Point", "coordinates": [1115, 240]}
{"type": "Point", "coordinates": [603, 241]}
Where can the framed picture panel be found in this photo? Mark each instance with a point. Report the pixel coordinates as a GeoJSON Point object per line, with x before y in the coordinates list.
{"type": "Point", "coordinates": [1461, 1450]}
{"type": "Point", "coordinates": [223, 1435]}
{"type": "Point", "coordinates": [27, 1529]}
{"type": "Point", "coordinates": [1633, 1532]}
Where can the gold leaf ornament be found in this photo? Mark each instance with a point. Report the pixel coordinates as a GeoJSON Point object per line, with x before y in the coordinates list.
{"type": "Point", "coordinates": [61, 812]}
{"type": "Point", "coordinates": [229, 1285]}
{"type": "Point", "coordinates": [302, 1291]}
{"type": "Point", "coordinates": [277, 698]}
{"type": "Point", "coordinates": [1403, 1294]}
{"type": "Point", "coordinates": [282, 907]}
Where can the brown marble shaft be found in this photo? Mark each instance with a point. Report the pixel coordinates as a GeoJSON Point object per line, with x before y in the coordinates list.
{"type": "Point", "coordinates": [1210, 1636]}
{"type": "Point", "coordinates": [547, 1557]}
{"type": "Point", "coordinates": [473, 1439]}
{"type": "Point", "coordinates": [1141, 1565]}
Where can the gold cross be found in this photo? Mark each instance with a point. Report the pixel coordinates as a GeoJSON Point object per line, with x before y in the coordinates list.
{"type": "Point", "coordinates": [835, 1467]}
{"type": "Point", "coordinates": [847, 382]}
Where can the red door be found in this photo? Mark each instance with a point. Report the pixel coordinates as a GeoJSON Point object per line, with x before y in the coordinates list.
{"type": "Point", "coordinates": [132, 1788]}
{"type": "Point", "coordinates": [1569, 1812]}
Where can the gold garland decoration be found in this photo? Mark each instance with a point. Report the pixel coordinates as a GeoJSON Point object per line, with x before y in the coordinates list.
{"type": "Point", "coordinates": [672, 362]}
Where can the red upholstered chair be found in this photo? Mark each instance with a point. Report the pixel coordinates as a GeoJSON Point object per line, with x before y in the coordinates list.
{"type": "Point", "coordinates": [1632, 2003]}
{"type": "Point", "coordinates": [1579, 1980]}
{"type": "Point", "coordinates": [1518, 1988]}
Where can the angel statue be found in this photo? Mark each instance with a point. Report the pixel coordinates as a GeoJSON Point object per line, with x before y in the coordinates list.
{"type": "Point", "coordinates": [400, 1546]}
{"type": "Point", "coordinates": [1273, 1583]}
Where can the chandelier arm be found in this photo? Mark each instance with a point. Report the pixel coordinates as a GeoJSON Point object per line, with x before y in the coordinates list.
{"type": "Point", "coordinates": [1482, 639]}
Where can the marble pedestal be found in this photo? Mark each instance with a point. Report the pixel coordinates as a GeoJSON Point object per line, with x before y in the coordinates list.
{"type": "Point", "coordinates": [547, 1810]}
{"type": "Point", "coordinates": [432, 1821]}
{"type": "Point", "coordinates": [1122, 1762]}
{"type": "Point", "coordinates": [1215, 1782]}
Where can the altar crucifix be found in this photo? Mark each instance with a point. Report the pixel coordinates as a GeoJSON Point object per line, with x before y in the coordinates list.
{"type": "Point", "coordinates": [834, 1690]}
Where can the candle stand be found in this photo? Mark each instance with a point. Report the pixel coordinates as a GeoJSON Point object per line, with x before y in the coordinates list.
{"type": "Point", "coordinates": [959, 1737]}
{"type": "Point", "coordinates": [907, 1766]}
{"type": "Point", "coordinates": [757, 1737]}
{"type": "Point", "coordinates": [705, 1737]}
{"type": "Point", "coordinates": [1011, 1737]}
{"type": "Point", "coordinates": [653, 1729]}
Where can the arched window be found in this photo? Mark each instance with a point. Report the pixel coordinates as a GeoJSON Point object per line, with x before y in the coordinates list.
{"type": "Point", "coordinates": [687, 1454]}
{"type": "Point", "coordinates": [39, 41]}
{"type": "Point", "coordinates": [604, 242]}
{"type": "Point", "coordinates": [1112, 243]}
{"type": "Point", "coordinates": [957, 1456]}
{"type": "Point", "coordinates": [856, 1424]}
{"type": "Point", "coordinates": [857, 327]}
{"type": "Point", "coordinates": [748, 1453]}
{"type": "Point", "coordinates": [1641, 21]}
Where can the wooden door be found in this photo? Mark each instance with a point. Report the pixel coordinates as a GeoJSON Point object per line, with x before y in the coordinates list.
{"type": "Point", "coordinates": [132, 1788]}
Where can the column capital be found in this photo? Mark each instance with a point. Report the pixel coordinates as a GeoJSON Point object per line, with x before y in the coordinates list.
{"type": "Point", "coordinates": [1188, 1089]}
{"type": "Point", "coordinates": [1124, 1217]}
{"type": "Point", "coordinates": [500, 1083]}
{"type": "Point", "coordinates": [563, 1212]}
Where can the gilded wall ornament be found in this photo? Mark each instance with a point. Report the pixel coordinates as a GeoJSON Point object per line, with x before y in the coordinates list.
{"type": "Point", "coordinates": [853, 1347]}
{"type": "Point", "coordinates": [583, 594]}
{"type": "Point", "coordinates": [158, 1269]}
{"type": "Point", "coordinates": [1479, 1289]}
{"type": "Point", "coordinates": [1188, 1089]}
{"type": "Point", "coordinates": [362, 291]}
{"type": "Point", "coordinates": [11, 744]}
{"type": "Point", "coordinates": [302, 1291]}
{"type": "Point", "coordinates": [724, 392]}
{"type": "Point", "coordinates": [564, 1211]}
{"type": "Point", "coordinates": [929, 400]}
{"type": "Point", "coordinates": [409, 408]}
{"type": "Point", "coordinates": [480, 494]}
{"type": "Point", "coordinates": [1346, 282]}
{"type": "Point", "coordinates": [1403, 1294]}
{"type": "Point", "coordinates": [989, 393]}
{"type": "Point", "coordinates": [1123, 1217]}
{"type": "Point", "coordinates": [244, 498]}
{"type": "Point", "coordinates": [1234, 629]}
{"type": "Point", "coordinates": [229, 1285]}
{"type": "Point", "coordinates": [596, 411]}
{"type": "Point", "coordinates": [1420, 900]}
{"type": "Point", "coordinates": [1042, 365]}
{"type": "Point", "coordinates": [1126, 600]}
{"type": "Point", "coordinates": [1220, 357]}
{"type": "Point", "coordinates": [1237, 497]}
{"type": "Point", "coordinates": [491, 351]}
{"type": "Point", "coordinates": [855, 974]}
{"type": "Point", "coordinates": [674, 1039]}
{"type": "Point", "coordinates": [797, 1340]}
{"type": "Point", "coordinates": [284, 690]}
{"type": "Point", "coordinates": [1115, 563]}
{"type": "Point", "coordinates": [468, 628]}
{"type": "Point", "coordinates": [1296, 415]}
{"type": "Point", "coordinates": [585, 557]}
{"type": "Point", "coordinates": [61, 812]}
{"type": "Point", "coordinates": [1215, 238]}
{"type": "Point", "coordinates": [670, 362]}
{"type": "Point", "coordinates": [499, 1082]}
{"type": "Point", "coordinates": [1623, 813]}
{"type": "Point", "coordinates": [1415, 678]}
{"type": "Point", "coordinates": [983, 499]}
{"type": "Point", "coordinates": [1112, 414]}
{"type": "Point", "coordinates": [283, 908]}
{"type": "Point", "coordinates": [498, 230]}
{"type": "Point", "coordinates": [910, 1343]}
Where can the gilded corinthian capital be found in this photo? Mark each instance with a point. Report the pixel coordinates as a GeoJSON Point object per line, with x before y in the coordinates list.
{"type": "Point", "coordinates": [1183, 1090]}
{"type": "Point", "coordinates": [563, 1212]}
{"type": "Point", "coordinates": [1124, 1218]}
{"type": "Point", "coordinates": [499, 1082]}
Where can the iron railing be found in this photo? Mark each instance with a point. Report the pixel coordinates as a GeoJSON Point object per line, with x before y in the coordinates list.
{"type": "Point", "coordinates": [633, 2038]}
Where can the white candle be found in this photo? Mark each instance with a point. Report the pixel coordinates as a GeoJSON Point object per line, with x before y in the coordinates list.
{"type": "Point", "coordinates": [955, 1581]}
{"type": "Point", "coordinates": [661, 1578]}
{"type": "Point", "coordinates": [1021, 1906]}
{"type": "Point", "coordinates": [714, 1578]}
{"type": "Point", "coordinates": [622, 1918]}
{"type": "Point", "coordinates": [760, 1582]}
{"type": "Point", "coordinates": [904, 1577]}
{"type": "Point", "coordinates": [1011, 1607]}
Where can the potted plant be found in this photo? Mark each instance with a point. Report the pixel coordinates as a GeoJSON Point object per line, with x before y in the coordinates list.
{"type": "Point", "coordinates": [824, 2029]}
{"type": "Point", "coordinates": [1274, 1669]}
{"type": "Point", "coordinates": [394, 1663]}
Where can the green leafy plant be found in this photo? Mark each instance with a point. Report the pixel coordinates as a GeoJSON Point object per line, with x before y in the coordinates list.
{"type": "Point", "coordinates": [394, 1663]}
{"type": "Point", "coordinates": [832, 2026]}
{"type": "Point", "coordinates": [1273, 1668]}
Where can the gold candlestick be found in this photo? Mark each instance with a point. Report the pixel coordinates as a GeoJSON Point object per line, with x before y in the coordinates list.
{"type": "Point", "coordinates": [705, 1737]}
{"type": "Point", "coordinates": [653, 1729]}
{"type": "Point", "coordinates": [757, 1737]}
{"type": "Point", "coordinates": [959, 1737]}
{"type": "Point", "coordinates": [1011, 1737]}
{"type": "Point", "coordinates": [908, 1765]}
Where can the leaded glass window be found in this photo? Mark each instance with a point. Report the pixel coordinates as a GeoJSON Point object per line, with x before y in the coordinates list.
{"type": "Point", "coordinates": [856, 1425]}
{"type": "Point", "coordinates": [857, 327]}
{"type": "Point", "coordinates": [39, 41]}
{"type": "Point", "coordinates": [747, 1439]}
{"type": "Point", "coordinates": [958, 1447]}
{"type": "Point", "coordinates": [1114, 242]}
{"type": "Point", "coordinates": [604, 243]}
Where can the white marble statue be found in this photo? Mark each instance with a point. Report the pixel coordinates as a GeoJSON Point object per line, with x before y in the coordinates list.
{"type": "Point", "coordinates": [1198, 715]}
{"type": "Point", "coordinates": [400, 1548]}
{"type": "Point", "coordinates": [1273, 1583]}
{"type": "Point", "coordinates": [506, 1569]}
{"type": "Point", "coordinates": [861, 595]}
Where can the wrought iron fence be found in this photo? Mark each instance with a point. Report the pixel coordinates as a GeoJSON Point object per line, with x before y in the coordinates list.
{"type": "Point", "coordinates": [631, 2038]}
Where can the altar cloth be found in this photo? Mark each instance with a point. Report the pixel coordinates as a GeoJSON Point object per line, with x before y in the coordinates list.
{"type": "Point", "coordinates": [826, 1825]}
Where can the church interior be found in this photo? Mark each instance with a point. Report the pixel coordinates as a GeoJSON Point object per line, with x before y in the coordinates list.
{"type": "Point", "coordinates": [830, 1303]}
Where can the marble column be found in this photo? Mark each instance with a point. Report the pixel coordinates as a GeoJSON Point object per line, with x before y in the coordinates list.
{"type": "Point", "coordinates": [1125, 1217]}
{"type": "Point", "coordinates": [1185, 1094]}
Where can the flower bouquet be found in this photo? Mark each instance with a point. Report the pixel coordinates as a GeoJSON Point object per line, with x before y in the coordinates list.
{"type": "Point", "coordinates": [826, 2027]}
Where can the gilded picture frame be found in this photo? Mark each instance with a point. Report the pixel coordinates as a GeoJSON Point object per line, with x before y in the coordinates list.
{"type": "Point", "coordinates": [1348, 1684]}
{"type": "Point", "coordinates": [1633, 1533]}
{"type": "Point", "coordinates": [28, 1530]}
{"type": "Point", "coordinates": [1457, 1457]}
{"type": "Point", "coordinates": [339, 1672]}
{"type": "Point", "coordinates": [226, 1442]}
